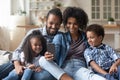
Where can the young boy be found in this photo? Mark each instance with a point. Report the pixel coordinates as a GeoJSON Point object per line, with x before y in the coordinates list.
{"type": "Point", "coordinates": [102, 59]}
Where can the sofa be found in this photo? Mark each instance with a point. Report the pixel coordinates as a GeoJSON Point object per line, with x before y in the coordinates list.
{"type": "Point", "coordinates": [5, 56]}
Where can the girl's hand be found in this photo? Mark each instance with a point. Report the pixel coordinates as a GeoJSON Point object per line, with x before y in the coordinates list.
{"type": "Point", "coordinates": [32, 66]}
{"type": "Point", "coordinates": [48, 56]}
{"type": "Point", "coordinates": [113, 69]}
{"type": "Point", "coordinates": [38, 69]}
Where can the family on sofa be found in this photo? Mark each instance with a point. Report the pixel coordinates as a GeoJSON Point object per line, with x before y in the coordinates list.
{"type": "Point", "coordinates": [31, 61]}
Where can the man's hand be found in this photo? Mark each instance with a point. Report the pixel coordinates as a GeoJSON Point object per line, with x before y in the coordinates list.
{"type": "Point", "coordinates": [48, 56]}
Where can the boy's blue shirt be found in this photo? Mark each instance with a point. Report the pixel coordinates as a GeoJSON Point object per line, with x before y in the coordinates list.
{"type": "Point", "coordinates": [103, 55]}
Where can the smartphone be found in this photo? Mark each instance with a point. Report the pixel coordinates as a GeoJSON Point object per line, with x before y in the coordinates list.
{"type": "Point", "coordinates": [51, 48]}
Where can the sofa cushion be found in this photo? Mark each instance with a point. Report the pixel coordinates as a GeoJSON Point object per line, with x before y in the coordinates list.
{"type": "Point", "coordinates": [5, 56]}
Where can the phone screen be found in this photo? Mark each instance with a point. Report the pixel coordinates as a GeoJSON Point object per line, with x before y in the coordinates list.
{"type": "Point", "coordinates": [51, 48]}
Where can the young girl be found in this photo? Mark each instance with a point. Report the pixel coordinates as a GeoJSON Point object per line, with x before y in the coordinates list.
{"type": "Point", "coordinates": [33, 48]}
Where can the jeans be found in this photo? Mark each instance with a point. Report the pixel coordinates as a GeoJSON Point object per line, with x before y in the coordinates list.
{"type": "Point", "coordinates": [12, 76]}
{"type": "Point", "coordinates": [113, 76]}
{"type": "Point", "coordinates": [51, 67]}
{"type": "Point", "coordinates": [71, 66]}
{"type": "Point", "coordinates": [78, 71]}
{"type": "Point", "coordinates": [5, 69]}
{"type": "Point", "coordinates": [42, 75]}
{"type": "Point", "coordinates": [27, 74]}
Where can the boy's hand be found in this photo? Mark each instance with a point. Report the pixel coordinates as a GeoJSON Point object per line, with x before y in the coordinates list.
{"type": "Point", "coordinates": [49, 56]}
{"type": "Point", "coordinates": [113, 69]}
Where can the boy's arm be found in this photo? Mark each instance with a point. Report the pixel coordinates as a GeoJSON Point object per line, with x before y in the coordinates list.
{"type": "Point", "coordinates": [97, 68]}
{"type": "Point", "coordinates": [113, 68]}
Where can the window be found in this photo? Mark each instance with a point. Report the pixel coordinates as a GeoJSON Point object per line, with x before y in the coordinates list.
{"type": "Point", "coordinates": [107, 9]}
{"type": "Point", "coordinates": [117, 9]}
{"type": "Point", "coordinates": [95, 9]}
{"type": "Point", "coordinates": [102, 9]}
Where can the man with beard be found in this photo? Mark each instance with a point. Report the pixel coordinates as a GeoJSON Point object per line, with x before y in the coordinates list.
{"type": "Point", "coordinates": [53, 22]}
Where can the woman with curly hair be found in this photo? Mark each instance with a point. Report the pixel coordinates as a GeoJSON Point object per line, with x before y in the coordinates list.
{"type": "Point", "coordinates": [71, 45]}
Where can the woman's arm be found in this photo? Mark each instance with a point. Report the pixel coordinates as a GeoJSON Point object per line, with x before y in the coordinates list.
{"type": "Point", "coordinates": [97, 68]}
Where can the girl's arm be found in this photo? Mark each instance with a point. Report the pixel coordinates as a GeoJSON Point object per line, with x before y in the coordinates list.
{"type": "Point", "coordinates": [114, 66]}
{"type": "Point", "coordinates": [97, 68]}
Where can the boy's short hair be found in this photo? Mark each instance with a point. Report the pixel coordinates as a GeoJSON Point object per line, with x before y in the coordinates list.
{"type": "Point", "coordinates": [97, 29]}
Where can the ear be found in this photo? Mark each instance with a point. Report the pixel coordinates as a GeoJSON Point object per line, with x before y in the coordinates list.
{"type": "Point", "coordinates": [101, 38]}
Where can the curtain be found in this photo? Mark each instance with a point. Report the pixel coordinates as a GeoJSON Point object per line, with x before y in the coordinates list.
{"type": "Point", "coordinates": [5, 13]}
{"type": "Point", "coordinates": [4, 23]}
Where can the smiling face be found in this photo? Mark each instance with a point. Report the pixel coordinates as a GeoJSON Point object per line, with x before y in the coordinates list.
{"type": "Point", "coordinates": [36, 45]}
{"type": "Point", "coordinates": [93, 39]}
{"type": "Point", "coordinates": [53, 24]}
{"type": "Point", "coordinates": [72, 25]}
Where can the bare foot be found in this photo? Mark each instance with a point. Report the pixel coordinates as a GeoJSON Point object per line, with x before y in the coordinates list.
{"type": "Point", "coordinates": [65, 77]}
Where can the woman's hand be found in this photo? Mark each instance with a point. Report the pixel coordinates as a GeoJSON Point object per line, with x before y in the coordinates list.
{"type": "Point", "coordinates": [48, 56]}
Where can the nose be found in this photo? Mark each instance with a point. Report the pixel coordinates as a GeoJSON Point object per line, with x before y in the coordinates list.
{"type": "Point", "coordinates": [53, 26]}
{"type": "Point", "coordinates": [38, 46]}
{"type": "Point", "coordinates": [72, 25]}
{"type": "Point", "coordinates": [89, 40]}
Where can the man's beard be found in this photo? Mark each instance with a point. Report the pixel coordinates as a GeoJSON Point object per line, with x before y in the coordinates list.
{"type": "Point", "coordinates": [52, 33]}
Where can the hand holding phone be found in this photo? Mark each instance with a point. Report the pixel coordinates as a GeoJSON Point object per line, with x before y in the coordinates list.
{"type": "Point", "coordinates": [51, 48]}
